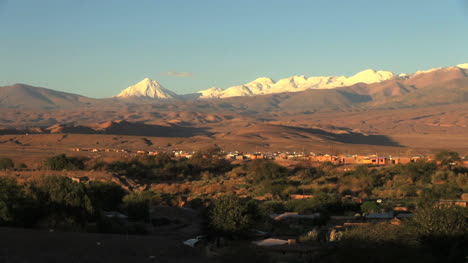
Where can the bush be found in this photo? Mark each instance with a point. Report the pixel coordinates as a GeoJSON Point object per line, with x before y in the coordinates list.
{"type": "Point", "coordinates": [133, 169]}
{"type": "Point", "coordinates": [137, 205]}
{"type": "Point", "coordinates": [11, 196]}
{"type": "Point", "coordinates": [271, 207]}
{"type": "Point", "coordinates": [232, 215]}
{"type": "Point", "coordinates": [441, 221]}
{"type": "Point", "coordinates": [321, 202]}
{"type": "Point", "coordinates": [63, 200]}
{"type": "Point", "coordinates": [443, 231]}
{"type": "Point", "coordinates": [6, 163]}
{"type": "Point", "coordinates": [369, 207]}
{"type": "Point", "coordinates": [446, 158]}
{"type": "Point", "coordinates": [381, 233]}
{"type": "Point", "coordinates": [62, 162]}
{"type": "Point", "coordinates": [105, 196]}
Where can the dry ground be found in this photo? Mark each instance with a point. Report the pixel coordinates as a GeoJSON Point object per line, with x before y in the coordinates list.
{"type": "Point", "coordinates": [37, 246]}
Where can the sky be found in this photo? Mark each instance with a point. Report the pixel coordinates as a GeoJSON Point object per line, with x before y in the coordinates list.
{"type": "Point", "coordinates": [98, 48]}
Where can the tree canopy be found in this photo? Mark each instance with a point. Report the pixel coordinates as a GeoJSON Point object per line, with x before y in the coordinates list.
{"type": "Point", "coordinates": [232, 215]}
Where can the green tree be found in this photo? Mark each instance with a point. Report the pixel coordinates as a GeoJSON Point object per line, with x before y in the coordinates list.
{"type": "Point", "coordinates": [381, 232]}
{"type": "Point", "coordinates": [267, 176]}
{"type": "Point", "coordinates": [6, 163]}
{"type": "Point", "coordinates": [134, 168]}
{"type": "Point", "coordinates": [106, 196]}
{"type": "Point", "coordinates": [443, 231]}
{"type": "Point", "coordinates": [370, 207]}
{"type": "Point", "coordinates": [232, 215]}
{"type": "Point", "coordinates": [63, 200]}
{"type": "Point", "coordinates": [321, 202]}
{"type": "Point", "coordinates": [62, 162]}
{"type": "Point", "coordinates": [11, 197]}
{"type": "Point", "coordinates": [137, 205]}
{"type": "Point", "coordinates": [447, 158]}
{"type": "Point", "coordinates": [160, 160]}
{"type": "Point", "coordinates": [210, 159]}
{"type": "Point", "coordinates": [430, 220]}
{"type": "Point", "coordinates": [271, 207]}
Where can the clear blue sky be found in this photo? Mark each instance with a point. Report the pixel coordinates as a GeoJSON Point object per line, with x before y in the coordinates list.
{"type": "Point", "coordinates": [99, 47]}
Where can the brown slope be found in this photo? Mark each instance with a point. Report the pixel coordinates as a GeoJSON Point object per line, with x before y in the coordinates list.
{"type": "Point", "coordinates": [29, 97]}
{"type": "Point", "coordinates": [78, 129]}
{"type": "Point", "coordinates": [422, 80]}
{"type": "Point", "coordinates": [443, 86]}
{"type": "Point", "coordinates": [288, 134]}
{"type": "Point", "coordinates": [123, 127]}
{"type": "Point", "coordinates": [309, 100]}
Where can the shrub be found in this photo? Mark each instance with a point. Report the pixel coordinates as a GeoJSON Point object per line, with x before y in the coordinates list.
{"type": "Point", "coordinates": [232, 215]}
{"type": "Point", "coordinates": [105, 196]}
{"type": "Point", "coordinates": [6, 163]}
{"type": "Point", "coordinates": [137, 205]}
{"type": "Point", "coordinates": [62, 162]}
{"type": "Point", "coordinates": [63, 200]}
{"type": "Point", "coordinates": [369, 207]}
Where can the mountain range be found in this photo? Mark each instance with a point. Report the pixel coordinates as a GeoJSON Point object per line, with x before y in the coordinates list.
{"type": "Point", "coordinates": [152, 89]}
{"type": "Point", "coordinates": [427, 109]}
{"type": "Point", "coordinates": [365, 90]}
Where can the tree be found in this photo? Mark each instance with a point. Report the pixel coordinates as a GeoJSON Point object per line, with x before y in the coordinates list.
{"type": "Point", "coordinates": [447, 158]}
{"type": "Point", "coordinates": [443, 231]}
{"type": "Point", "coordinates": [160, 160]}
{"type": "Point", "coordinates": [16, 207]}
{"type": "Point", "coordinates": [64, 200]}
{"type": "Point", "coordinates": [369, 207]}
{"type": "Point", "coordinates": [134, 168]}
{"type": "Point", "coordinates": [11, 196]}
{"type": "Point", "coordinates": [305, 171]}
{"type": "Point", "coordinates": [321, 202]}
{"type": "Point", "coordinates": [430, 220]}
{"type": "Point", "coordinates": [137, 205]}
{"type": "Point", "coordinates": [62, 162]}
{"type": "Point", "coordinates": [211, 159]}
{"type": "Point", "coordinates": [270, 177]}
{"type": "Point", "coordinates": [232, 215]}
{"type": "Point", "coordinates": [6, 163]}
{"type": "Point", "coordinates": [381, 232]}
{"type": "Point", "coordinates": [105, 196]}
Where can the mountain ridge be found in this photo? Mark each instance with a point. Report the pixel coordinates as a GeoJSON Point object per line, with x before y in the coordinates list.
{"type": "Point", "coordinates": [152, 89]}
{"type": "Point", "coordinates": [449, 84]}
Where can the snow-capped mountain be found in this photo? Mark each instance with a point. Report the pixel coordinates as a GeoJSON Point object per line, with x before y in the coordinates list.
{"type": "Point", "coordinates": [463, 66]}
{"type": "Point", "coordinates": [296, 83]}
{"type": "Point", "coordinates": [147, 88]}
{"type": "Point", "coordinates": [262, 86]}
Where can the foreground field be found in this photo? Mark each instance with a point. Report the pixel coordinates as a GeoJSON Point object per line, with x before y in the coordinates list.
{"type": "Point", "coordinates": [23, 245]}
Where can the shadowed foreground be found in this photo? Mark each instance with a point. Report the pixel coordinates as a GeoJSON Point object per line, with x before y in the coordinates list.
{"type": "Point", "coordinates": [23, 245]}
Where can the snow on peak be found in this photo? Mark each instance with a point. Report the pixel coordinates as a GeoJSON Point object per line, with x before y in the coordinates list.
{"type": "Point", "coordinates": [426, 71]}
{"type": "Point", "coordinates": [147, 88]}
{"type": "Point", "coordinates": [296, 83]}
{"type": "Point", "coordinates": [263, 80]}
{"type": "Point", "coordinates": [211, 93]}
{"type": "Point", "coordinates": [370, 76]}
{"type": "Point", "coordinates": [463, 66]}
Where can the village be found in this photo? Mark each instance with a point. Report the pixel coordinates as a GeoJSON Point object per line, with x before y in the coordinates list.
{"type": "Point", "coordinates": [291, 234]}
{"type": "Point", "coordinates": [317, 158]}
{"type": "Point", "coordinates": [305, 204]}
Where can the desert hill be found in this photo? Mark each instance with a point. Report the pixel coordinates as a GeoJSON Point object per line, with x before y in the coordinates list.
{"type": "Point", "coordinates": [28, 97]}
